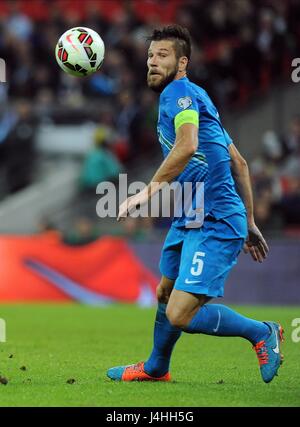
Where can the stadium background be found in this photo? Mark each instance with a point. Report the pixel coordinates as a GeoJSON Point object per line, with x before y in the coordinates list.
{"type": "Point", "coordinates": [60, 136]}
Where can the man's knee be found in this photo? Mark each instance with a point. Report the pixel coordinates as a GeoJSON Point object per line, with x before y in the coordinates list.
{"type": "Point", "coordinates": [177, 318]}
{"type": "Point", "coordinates": [180, 315]}
{"type": "Point", "coordinates": [162, 294]}
{"type": "Point", "coordinates": [163, 290]}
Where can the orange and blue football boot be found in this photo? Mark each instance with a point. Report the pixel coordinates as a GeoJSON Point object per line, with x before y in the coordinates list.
{"type": "Point", "coordinates": [134, 373]}
{"type": "Point", "coordinates": [268, 352]}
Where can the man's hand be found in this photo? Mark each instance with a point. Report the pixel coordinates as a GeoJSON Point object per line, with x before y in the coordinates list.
{"type": "Point", "coordinates": [132, 203]}
{"type": "Point", "coordinates": [256, 244]}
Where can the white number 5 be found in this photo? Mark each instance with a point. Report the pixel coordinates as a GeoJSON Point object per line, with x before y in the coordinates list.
{"type": "Point", "coordinates": [197, 269]}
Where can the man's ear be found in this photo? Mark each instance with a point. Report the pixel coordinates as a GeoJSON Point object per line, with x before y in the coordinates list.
{"type": "Point", "coordinates": [183, 62]}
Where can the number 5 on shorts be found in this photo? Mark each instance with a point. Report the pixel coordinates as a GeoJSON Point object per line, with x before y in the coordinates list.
{"type": "Point", "coordinates": [198, 263]}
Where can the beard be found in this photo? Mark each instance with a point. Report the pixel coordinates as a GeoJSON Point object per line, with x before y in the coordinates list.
{"type": "Point", "coordinates": [159, 87]}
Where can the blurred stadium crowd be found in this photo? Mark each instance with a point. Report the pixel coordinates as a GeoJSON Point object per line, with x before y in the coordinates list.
{"type": "Point", "coordinates": [241, 49]}
{"type": "Point", "coordinates": [276, 180]}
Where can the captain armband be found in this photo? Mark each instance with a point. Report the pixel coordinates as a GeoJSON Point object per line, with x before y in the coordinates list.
{"type": "Point", "coordinates": [186, 116]}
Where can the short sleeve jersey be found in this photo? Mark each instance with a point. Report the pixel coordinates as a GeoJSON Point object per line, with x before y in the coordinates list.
{"type": "Point", "coordinates": [184, 102]}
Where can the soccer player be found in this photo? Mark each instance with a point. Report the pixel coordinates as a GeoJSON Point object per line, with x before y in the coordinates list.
{"type": "Point", "coordinates": [196, 261]}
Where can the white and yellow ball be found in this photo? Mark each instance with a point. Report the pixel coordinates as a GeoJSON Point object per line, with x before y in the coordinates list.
{"type": "Point", "coordinates": [80, 51]}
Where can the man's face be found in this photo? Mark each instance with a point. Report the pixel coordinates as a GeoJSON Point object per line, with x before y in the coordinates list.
{"type": "Point", "coordinates": [162, 64]}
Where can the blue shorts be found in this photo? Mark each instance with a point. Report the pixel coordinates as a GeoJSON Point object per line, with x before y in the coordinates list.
{"type": "Point", "coordinates": [199, 260]}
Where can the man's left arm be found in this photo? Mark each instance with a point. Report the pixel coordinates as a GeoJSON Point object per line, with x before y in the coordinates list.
{"type": "Point", "coordinates": [255, 242]}
{"type": "Point", "coordinates": [185, 146]}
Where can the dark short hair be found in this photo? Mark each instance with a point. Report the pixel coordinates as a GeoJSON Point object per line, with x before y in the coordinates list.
{"type": "Point", "coordinates": [180, 36]}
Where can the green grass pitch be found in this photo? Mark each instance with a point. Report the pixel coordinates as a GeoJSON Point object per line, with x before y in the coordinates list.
{"type": "Point", "coordinates": [47, 345]}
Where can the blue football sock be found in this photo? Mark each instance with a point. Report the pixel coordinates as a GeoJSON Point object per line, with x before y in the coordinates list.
{"type": "Point", "coordinates": [165, 337]}
{"type": "Point", "coordinates": [219, 320]}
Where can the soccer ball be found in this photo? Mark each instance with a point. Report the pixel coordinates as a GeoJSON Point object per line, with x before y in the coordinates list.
{"type": "Point", "coordinates": [80, 51]}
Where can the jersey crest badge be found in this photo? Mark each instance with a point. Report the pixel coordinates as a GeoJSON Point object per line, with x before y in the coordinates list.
{"type": "Point", "coordinates": [184, 102]}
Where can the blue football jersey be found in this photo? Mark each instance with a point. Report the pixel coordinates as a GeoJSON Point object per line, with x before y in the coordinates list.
{"type": "Point", "coordinates": [211, 162]}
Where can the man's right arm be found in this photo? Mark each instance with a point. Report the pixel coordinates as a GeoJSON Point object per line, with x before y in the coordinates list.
{"type": "Point", "coordinates": [255, 243]}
